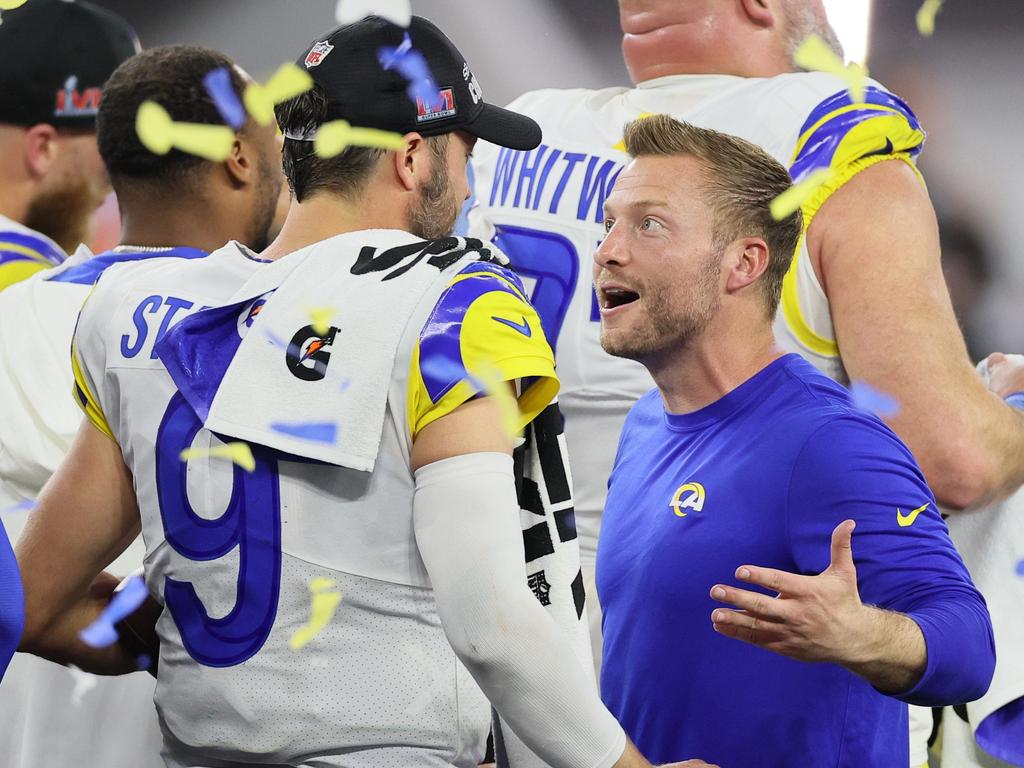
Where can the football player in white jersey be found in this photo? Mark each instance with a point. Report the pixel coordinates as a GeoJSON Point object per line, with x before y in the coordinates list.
{"type": "Point", "coordinates": [410, 514]}
{"type": "Point", "coordinates": [864, 298]}
{"type": "Point", "coordinates": [54, 58]}
{"type": "Point", "coordinates": [161, 197]}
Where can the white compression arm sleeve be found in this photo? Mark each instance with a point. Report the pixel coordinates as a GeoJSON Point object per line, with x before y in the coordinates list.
{"type": "Point", "coordinates": [466, 519]}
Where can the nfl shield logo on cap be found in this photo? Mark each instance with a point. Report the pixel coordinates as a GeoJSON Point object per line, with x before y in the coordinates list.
{"type": "Point", "coordinates": [318, 53]}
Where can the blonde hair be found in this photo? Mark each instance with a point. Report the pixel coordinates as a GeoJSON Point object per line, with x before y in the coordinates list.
{"type": "Point", "coordinates": [740, 183]}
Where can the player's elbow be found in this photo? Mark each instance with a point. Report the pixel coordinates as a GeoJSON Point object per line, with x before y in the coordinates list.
{"type": "Point", "coordinates": [479, 631]}
{"type": "Point", "coordinates": [965, 476]}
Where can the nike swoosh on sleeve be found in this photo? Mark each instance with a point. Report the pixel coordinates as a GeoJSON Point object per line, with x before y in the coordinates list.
{"type": "Point", "coordinates": [907, 520]}
{"type": "Point", "coordinates": [524, 328]}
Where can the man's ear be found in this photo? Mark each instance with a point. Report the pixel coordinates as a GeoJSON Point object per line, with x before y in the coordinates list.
{"type": "Point", "coordinates": [762, 13]}
{"type": "Point", "coordinates": [747, 259]}
{"type": "Point", "coordinates": [41, 147]}
{"type": "Point", "coordinates": [241, 163]}
{"type": "Point", "coordinates": [412, 163]}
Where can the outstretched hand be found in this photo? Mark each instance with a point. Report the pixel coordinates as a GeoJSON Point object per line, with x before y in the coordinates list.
{"type": "Point", "coordinates": [814, 618]}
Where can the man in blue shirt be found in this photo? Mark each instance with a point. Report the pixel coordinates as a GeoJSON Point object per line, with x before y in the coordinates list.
{"type": "Point", "coordinates": [744, 456]}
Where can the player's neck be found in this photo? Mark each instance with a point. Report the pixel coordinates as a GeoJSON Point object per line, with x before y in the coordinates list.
{"type": "Point", "coordinates": [325, 216]}
{"type": "Point", "coordinates": [174, 226]}
{"type": "Point", "coordinates": [712, 365]}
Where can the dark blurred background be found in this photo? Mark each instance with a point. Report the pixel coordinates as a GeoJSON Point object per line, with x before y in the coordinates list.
{"type": "Point", "coordinates": [966, 83]}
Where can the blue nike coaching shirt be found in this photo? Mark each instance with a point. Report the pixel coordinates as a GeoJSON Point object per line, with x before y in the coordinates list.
{"type": "Point", "coordinates": [761, 477]}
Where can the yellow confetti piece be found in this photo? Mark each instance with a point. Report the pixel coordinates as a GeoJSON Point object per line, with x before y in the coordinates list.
{"type": "Point", "coordinates": [498, 387]}
{"type": "Point", "coordinates": [10, 5]}
{"type": "Point", "coordinates": [791, 200]}
{"type": "Point", "coordinates": [815, 54]}
{"type": "Point", "coordinates": [926, 17]}
{"type": "Point", "coordinates": [332, 138]}
{"type": "Point", "coordinates": [239, 453]}
{"type": "Point", "coordinates": [324, 603]}
{"type": "Point", "coordinates": [289, 81]}
{"type": "Point", "coordinates": [621, 146]}
{"type": "Point", "coordinates": [320, 318]}
{"type": "Point", "coordinates": [159, 134]}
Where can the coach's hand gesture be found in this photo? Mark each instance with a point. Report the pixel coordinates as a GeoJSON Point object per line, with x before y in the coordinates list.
{"type": "Point", "coordinates": [812, 619]}
{"type": "Point", "coordinates": [821, 618]}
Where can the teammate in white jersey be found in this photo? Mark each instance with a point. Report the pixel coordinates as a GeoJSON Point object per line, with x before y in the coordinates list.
{"type": "Point", "coordinates": [410, 514]}
{"type": "Point", "coordinates": [173, 205]}
{"type": "Point", "coordinates": [54, 58]}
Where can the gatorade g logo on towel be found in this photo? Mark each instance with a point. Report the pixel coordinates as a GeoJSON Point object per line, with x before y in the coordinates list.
{"type": "Point", "coordinates": [309, 352]}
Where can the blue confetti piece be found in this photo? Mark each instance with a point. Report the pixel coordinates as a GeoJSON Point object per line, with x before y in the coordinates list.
{"type": "Point", "coordinates": [314, 431]}
{"type": "Point", "coordinates": [280, 343]}
{"type": "Point", "coordinates": [21, 506]}
{"type": "Point", "coordinates": [144, 662]}
{"type": "Point", "coordinates": [344, 385]}
{"type": "Point", "coordinates": [102, 632]}
{"type": "Point", "coordinates": [867, 398]}
{"type": "Point", "coordinates": [218, 84]}
{"type": "Point", "coordinates": [1020, 568]}
{"type": "Point", "coordinates": [411, 64]}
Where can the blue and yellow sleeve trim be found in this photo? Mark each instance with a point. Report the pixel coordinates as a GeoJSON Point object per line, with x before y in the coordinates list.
{"type": "Point", "coordinates": [83, 393]}
{"type": "Point", "coordinates": [481, 327]}
{"type": "Point", "coordinates": [85, 398]}
{"type": "Point", "coordinates": [22, 255]}
{"type": "Point", "coordinates": [846, 138]}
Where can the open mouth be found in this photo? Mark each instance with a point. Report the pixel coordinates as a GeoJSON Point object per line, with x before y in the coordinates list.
{"type": "Point", "coordinates": [612, 297]}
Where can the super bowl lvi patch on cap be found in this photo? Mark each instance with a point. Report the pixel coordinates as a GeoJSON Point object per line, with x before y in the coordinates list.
{"type": "Point", "coordinates": [55, 57]}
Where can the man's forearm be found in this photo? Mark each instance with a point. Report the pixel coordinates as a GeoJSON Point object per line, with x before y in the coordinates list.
{"type": "Point", "coordinates": [936, 655]}
{"type": "Point", "coordinates": [58, 640]}
{"type": "Point", "coordinates": [892, 655]}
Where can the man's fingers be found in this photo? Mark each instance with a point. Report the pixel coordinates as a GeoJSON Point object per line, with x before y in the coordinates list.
{"type": "Point", "coordinates": [770, 578]}
{"type": "Point", "coordinates": [842, 545]}
{"type": "Point", "coordinates": [755, 603]}
{"type": "Point", "coordinates": [740, 626]}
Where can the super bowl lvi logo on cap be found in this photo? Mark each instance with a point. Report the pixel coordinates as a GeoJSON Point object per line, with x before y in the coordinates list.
{"type": "Point", "coordinates": [74, 103]}
{"type": "Point", "coordinates": [318, 53]}
{"type": "Point", "coordinates": [445, 107]}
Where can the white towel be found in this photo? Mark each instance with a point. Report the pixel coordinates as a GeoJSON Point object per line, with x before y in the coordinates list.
{"type": "Point", "coordinates": [274, 370]}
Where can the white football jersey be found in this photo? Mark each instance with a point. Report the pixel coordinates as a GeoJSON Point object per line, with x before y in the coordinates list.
{"type": "Point", "coordinates": [233, 554]}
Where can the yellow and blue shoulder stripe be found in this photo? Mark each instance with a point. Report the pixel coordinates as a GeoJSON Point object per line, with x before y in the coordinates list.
{"type": "Point", "coordinates": [22, 254]}
{"type": "Point", "coordinates": [481, 326]}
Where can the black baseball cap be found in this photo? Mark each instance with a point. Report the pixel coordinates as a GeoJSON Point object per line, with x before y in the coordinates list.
{"type": "Point", "coordinates": [345, 65]}
{"type": "Point", "coordinates": [55, 56]}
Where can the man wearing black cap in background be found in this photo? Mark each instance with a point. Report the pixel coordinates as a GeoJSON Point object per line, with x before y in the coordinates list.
{"type": "Point", "coordinates": [410, 512]}
{"type": "Point", "coordinates": [54, 58]}
{"type": "Point", "coordinates": [173, 206]}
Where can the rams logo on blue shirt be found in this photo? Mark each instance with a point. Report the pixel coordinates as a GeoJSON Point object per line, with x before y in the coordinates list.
{"type": "Point", "coordinates": [687, 496]}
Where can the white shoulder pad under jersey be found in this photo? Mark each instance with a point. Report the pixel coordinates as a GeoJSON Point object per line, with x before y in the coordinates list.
{"type": "Point", "coordinates": [543, 208]}
{"type": "Point", "coordinates": [234, 553]}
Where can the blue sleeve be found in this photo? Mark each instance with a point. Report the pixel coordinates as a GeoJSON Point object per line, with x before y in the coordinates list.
{"type": "Point", "coordinates": [854, 467]}
{"type": "Point", "coordinates": [12, 603]}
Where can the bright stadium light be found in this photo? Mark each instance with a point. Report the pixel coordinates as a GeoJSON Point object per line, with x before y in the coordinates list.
{"type": "Point", "coordinates": [851, 20]}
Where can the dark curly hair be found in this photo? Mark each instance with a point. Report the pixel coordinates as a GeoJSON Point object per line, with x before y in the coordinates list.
{"type": "Point", "coordinates": [172, 76]}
